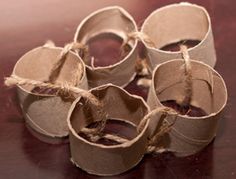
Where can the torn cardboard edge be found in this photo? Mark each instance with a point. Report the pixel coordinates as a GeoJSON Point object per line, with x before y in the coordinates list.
{"type": "Point", "coordinates": [101, 22]}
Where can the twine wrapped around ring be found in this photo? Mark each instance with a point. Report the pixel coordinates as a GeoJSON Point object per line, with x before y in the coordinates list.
{"type": "Point", "coordinates": [139, 36]}
{"type": "Point", "coordinates": [150, 129]}
{"type": "Point", "coordinates": [62, 90]}
{"type": "Point", "coordinates": [158, 128]}
{"type": "Point", "coordinates": [55, 71]}
{"type": "Point", "coordinates": [189, 86]}
{"type": "Point", "coordinates": [167, 25]}
{"type": "Point", "coordinates": [99, 24]}
{"type": "Point", "coordinates": [188, 77]}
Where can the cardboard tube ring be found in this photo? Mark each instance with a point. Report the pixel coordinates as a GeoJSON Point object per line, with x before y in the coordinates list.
{"type": "Point", "coordinates": [175, 23]}
{"type": "Point", "coordinates": [100, 159]}
{"type": "Point", "coordinates": [117, 22]}
{"type": "Point", "coordinates": [45, 114]}
{"type": "Point", "coordinates": [189, 134]}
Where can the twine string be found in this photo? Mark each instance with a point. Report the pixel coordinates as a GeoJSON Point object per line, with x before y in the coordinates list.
{"type": "Point", "coordinates": [142, 67]}
{"type": "Point", "coordinates": [188, 88]}
{"type": "Point", "coordinates": [141, 37]}
{"type": "Point", "coordinates": [63, 90]}
{"type": "Point", "coordinates": [56, 69]}
{"type": "Point", "coordinates": [161, 128]}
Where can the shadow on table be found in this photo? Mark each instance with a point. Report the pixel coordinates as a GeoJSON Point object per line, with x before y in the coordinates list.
{"type": "Point", "coordinates": [166, 165]}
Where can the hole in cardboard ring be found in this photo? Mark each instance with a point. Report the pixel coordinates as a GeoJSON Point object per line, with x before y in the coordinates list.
{"type": "Point", "coordinates": [106, 49]}
{"type": "Point", "coordinates": [172, 87]}
{"type": "Point", "coordinates": [174, 47]}
{"type": "Point", "coordinates": [190, 110]}
{"type": "Point", "coordinates": [123, 129]}
{"type": "Point", "coordinates": [127, 111]}
{"type": "Point", "coordinates": [37, 64]}
{"type": "Point", "coordinates": [175, 23]}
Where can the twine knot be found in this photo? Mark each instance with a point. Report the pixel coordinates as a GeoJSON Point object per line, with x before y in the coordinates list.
{"type": "Point", "coordinates": [161, 128]}
{"type": "Point", "coordinates": [141, 37]}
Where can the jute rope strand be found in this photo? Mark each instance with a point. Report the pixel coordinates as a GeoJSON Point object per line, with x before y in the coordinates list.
{"type": "Point", "coordinates": [90, 133]}
{"type": "Point", "coordinates": [164, 128]}
{"type": "Point", "coordinates": [188, 77]}
{"type": "Point", "coordinates": [55, 71]}
{"type": "Point", "coordinates": [63, 90]}
{"type": "Point", "coordinates": [66, 89]}
{"type": "Point", "coordinates": [163, 110]}
{"type": "Point", "coordinates": [143, 70]}
{"type": "Point", "coordinates": [141, 37]}
{"type": "Point", "coordinates": [161, 129]}
{"type": "Point", "coordinates": [125, 47]}
{"type": "Point", "coordinates": [77, 74]}
{"type": "Point", "coordinates": [142, 67]}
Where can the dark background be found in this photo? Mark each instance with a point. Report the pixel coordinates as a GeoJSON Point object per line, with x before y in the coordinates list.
{"type": "Point", "coordinates": [25, 24]}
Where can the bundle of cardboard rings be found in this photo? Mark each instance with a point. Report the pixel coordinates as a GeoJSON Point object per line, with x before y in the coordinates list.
{"type": "Point", "coordinates": [62, 93]}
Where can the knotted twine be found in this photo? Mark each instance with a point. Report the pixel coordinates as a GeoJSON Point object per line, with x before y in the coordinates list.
{"type": "Point", "coordinates": [64, 89]}
{"type": "Point", "coordinates": [139, 36]}
{"type": "Point", "coordinates": [165, 125]}
{"type": "Point", "coordinates": [189, 134]}
{"type": "Point", "coordinates": [142, 67]}
{"type": "Point", "coordinates": [96, 158]}
{"type": "Point", "coordinates": [161, 129]}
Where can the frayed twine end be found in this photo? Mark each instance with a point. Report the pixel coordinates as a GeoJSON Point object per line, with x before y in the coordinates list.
{"type": "Point", "coordinates": [10, 81]}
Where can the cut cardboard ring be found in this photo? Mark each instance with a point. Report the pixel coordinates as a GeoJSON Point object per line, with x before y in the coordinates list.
{"type": "Point", "coordinates": [189, 134]}
{"type": "Point", "coordinates": [177, 22]}
{"type": "Point", "coordinates": [45, 114]}
{"type": "Point", "coordinates": [100, 159]}
{"type": "Point", "coordinates": [110, 20]}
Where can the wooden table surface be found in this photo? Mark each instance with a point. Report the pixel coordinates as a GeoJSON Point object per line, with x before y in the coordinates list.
{"type": "Point", "coordinates": [26, 24]}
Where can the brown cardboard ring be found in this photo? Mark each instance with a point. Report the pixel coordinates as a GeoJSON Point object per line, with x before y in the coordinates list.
{"type": "Point", "coordinates": [189, 134]}
{"type": "Point", "coordinates": [122, 72]}
{"type": "Point", "coordinates": [99, 159]}
{"type": "Point", "coordinates": [40, 60]}
{"type": "Point", "coordinates": [190, 22]}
